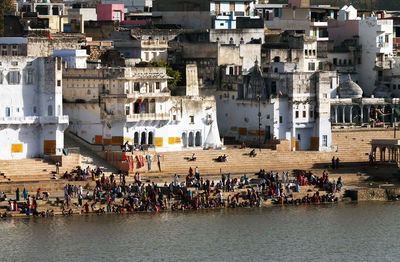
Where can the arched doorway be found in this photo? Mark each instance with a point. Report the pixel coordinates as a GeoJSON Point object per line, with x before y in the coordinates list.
{"type": "Point", "coordinates": [191, 139]}
{"type": "Point", "coordinates": [198, 139]}
{"type": "Point", "coordinates": [143, 138]}
{"type": "Point", "coordinates": [150, 139]}
{"type": "Point", "coordinates": [136, 138]}
{"type": "Point", "coordinates": [184, 140]}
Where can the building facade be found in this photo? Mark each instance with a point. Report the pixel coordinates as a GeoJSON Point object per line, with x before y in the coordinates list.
{"type": "Point", "coordinates": [111, 106]}
{"type": "Point", "coordinates": [32, 122]}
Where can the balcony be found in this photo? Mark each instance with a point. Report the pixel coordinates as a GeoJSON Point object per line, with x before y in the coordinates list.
{"type": "Point", "coordinates": [154, 44]}
{"type": "Point", "coordinates": [28, 120]}
{"type": "Point", "coordinates": [149, 116]}
{"type": "Point", "coordinates": [383, 65]}
{"type": "Point", "coordinates": [54, 119]}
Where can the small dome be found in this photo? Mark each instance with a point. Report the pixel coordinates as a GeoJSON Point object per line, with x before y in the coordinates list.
{"type": "Point", "coordinates": [349, 89]}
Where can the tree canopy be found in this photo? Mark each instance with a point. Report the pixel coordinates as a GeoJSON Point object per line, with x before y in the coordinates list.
{"type": "Point", "coordinates": [175, 74]}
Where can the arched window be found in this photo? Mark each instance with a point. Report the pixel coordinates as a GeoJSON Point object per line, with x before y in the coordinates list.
{"type": "Point", "coordinates": [136, 138]}
{"type": "Point", "coordinates": [152, 106]}
{"type": "Point", "coordinates": [137, 107]}
{"type": "Point", "coordinates": [143, 138]}
{"type": "Point", "coordinates": [184, 140]}
{"type": "Point", "coordinates": [198, 139]}
{"type": "Point", "coordinates": [191, 139]}
{"type": "Point", "coordinates": [144, 107]}
{"type": "Point", "coordinates": [50, 110]}
{"type": "Point", "coordinates": [150, 139]}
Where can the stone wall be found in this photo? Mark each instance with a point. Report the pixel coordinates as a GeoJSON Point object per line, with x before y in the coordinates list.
{"type": "Point", "coordinates": [354, 145]}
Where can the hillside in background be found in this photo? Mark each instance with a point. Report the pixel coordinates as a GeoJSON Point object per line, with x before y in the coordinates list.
{"type": "Point", "coordinates": [393, 5]}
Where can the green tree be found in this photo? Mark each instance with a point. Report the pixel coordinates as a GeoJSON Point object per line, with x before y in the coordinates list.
{"type": "Point", "coordinates": [175, 74]}
{"type": "Point", "coordinates": [5, 6]}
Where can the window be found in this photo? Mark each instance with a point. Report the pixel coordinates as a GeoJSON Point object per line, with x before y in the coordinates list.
{"type": "Point", "coordinates": [230, 70]}
{"type": "Point", "coordinates": [325, 95]}
{"type": "Point", "coordinates": [350, 62]}
{"type": "Point", "coordinates": [4, 52]}
{"type": "Point", "coordinates": [314, 52]}
{"type": "Point", "coordinates": [88, 92]}
{"type": "Point", "coordinates": [49, 110]}
{"type": "Point", "coordinates": [14, 63]}
{"type": "Point", "coordinates": [311, 114]}
{"type": "Point", "coordinates": [345, 61]}
{"type": "Point", "coordinates": [335, 61]}
{"type": "Point", "coordinates": [324, 140]}
{"type": "Point", "coordinates": [136, 87]}
{"type": "Point", "coordinates": [8, 112]}
{"type": "Point", "coordinates": [58, 82]}
{"type": "Point", "coordinates": [14, 52]}
{"type": "Point", "coordinates": [298, 137]}
{"type": "Point", "coordinates": [13, 77]}
{"type": "Point", "coordinates": [304, 114]}
{"type": "Point", "coordinates": [268, 116]}
{"type": "Point", "coordinates": [311, 66]}
{"type": "Point", "coordinates": [127, 110]}
{"type": "Point", "coordinates": [192, 119]}
{"type": "Point", "coordinates": [306, 52]}
{"type": "Point", "coordinates": [297, 114]}
{"type": "Point", "coordinates": [157, 85]}
{"type": "Point", "coordinates": [34, 109]}
{"type": "Point", "coordinates": [320, 66]}
{"type": "Point", "coordinates": [29, 77]}
{"type": "Point", "coordinates": [280, 119]}
{"type": "Point", "coordinates": [174, 117]}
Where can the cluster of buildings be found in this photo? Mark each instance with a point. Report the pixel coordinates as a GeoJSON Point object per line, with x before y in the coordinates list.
{"type": "Point", "coordinates": [170, 74]}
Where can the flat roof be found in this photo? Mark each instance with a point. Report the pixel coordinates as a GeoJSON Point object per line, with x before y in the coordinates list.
{"type": "Point", "coordinates": [13, 40]}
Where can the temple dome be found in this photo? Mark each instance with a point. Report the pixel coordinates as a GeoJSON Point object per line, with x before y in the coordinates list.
{"type": "Point", "coordinates": [349, 89]}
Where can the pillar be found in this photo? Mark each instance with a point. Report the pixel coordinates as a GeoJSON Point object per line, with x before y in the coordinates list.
{"type": "Point", "coordinates": [344, 114]}
{"type": "Point", "coordinates": [336, 112]}
{"type": "Point", "coordinates": [392, 117]}
{"type": "Point", "coordinates": [351, 114]}
{"type": "Point", "coordinates": [369, 114]}
{"type": "Point", "coordinates": [362, 113]}
{"type": "Point", "coordinates": [383, 114]}
{"type": "Point", "coordinates": [380, 157]}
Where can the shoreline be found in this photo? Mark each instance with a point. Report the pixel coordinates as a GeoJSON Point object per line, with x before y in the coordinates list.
{"type": "Point", "coordinates": [356, 189]}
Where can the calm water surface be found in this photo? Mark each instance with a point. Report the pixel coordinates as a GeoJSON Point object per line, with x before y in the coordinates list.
{"type": "Point", "coordinates": [345, 232]}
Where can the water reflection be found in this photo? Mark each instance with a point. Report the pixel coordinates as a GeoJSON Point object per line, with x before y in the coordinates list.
{"type": "Point", "coordinates": [344, 232]}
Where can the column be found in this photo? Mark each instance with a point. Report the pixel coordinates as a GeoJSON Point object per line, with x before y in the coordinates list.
{"type": "Point", "coordinates": [351, 114]}
{"type": "Point", "coordinates": [344, 114]}
{"type": "Point", "coordinates": [380, 150]}
{"type": "Point", "coordinates": [383, 114]}
{"type": "Point", "coordinates": [369, 114]}
{"type": "Point", "coordinates": [336, 112]}
{"type": "Point", "coordinates": [362, 113]}
{"type": "Point", "coordinates": [392, 117]}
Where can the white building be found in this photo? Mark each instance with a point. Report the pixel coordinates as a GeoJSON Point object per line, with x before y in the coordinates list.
{"type": "Point", "coordinates": [376, 39]}
{"type": "Point", "coordinates": [72, 58]}
{"type": "Point", "coordinates": [31, 119]}
{"type": "Point", "coordinates": [292, 106]}
{"type": "Point", "coordinates": [226, 12]}
{"type": "Point", "coordinates": [113, 105]}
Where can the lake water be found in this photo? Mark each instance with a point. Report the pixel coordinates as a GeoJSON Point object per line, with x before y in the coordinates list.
{"type": "Point", "coordinates": [337, 232]}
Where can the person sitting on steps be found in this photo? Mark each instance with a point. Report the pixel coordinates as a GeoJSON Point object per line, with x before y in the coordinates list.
{"type": "Point", "coordinates": [253, 153]}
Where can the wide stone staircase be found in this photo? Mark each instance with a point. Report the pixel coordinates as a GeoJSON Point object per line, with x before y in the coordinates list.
{"type": "Point", "coordinates": [88, 157]}
{"type": "Point", "coordinates": [25, 170]}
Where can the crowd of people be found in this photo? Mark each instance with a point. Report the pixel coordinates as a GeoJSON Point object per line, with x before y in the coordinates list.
{"type": "Point", "coordinates": [112, 194]}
